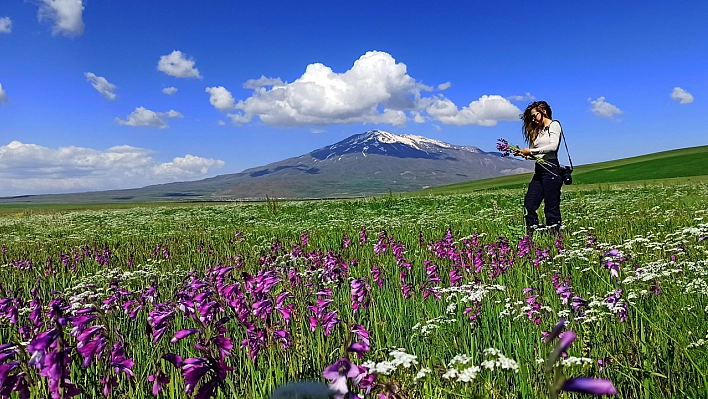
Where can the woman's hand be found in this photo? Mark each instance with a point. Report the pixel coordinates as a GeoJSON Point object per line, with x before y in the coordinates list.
{"type": "Point", "coordinates": [526, 152]}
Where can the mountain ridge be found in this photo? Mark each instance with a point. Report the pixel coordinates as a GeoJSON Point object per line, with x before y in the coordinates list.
{"type": "Point", "coordinates": [368, 163]}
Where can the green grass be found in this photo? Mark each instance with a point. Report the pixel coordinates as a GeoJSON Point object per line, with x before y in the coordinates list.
{"type": "Point", "coordinates": [652, 354]}
{"type": "Point", "coordinates": [675, 166]}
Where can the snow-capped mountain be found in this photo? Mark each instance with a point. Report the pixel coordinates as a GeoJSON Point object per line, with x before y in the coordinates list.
{"type": "Point", "coordinates": [369, 163]}
{"type": "Point", "coordinates": [385, 143]}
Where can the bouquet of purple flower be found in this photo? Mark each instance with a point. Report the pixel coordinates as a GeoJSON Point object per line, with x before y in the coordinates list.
{"type": "Point", "coordinates": [507, 149]}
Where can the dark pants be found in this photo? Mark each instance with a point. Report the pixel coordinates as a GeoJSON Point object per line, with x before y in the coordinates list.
{"type": "Point", "coordinates": [545, 186]}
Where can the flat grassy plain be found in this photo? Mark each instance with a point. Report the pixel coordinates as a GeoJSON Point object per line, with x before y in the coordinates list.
{"type": "Point", "coordinates": [643, 312]}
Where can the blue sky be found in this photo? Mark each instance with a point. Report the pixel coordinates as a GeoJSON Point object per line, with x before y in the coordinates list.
{"type": "Point", "coordinates": [608, 70]}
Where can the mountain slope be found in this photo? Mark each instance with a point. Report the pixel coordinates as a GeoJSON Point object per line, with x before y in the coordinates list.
{"type": "Point", "coordinates": [370, 163]}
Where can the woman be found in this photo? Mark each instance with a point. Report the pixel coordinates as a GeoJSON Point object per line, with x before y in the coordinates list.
{"type": "Point", "coordinates": [543, 135]}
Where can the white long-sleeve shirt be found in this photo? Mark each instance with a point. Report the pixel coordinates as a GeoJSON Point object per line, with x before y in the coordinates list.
{"type": "Point", "coordinates": [548, 141]}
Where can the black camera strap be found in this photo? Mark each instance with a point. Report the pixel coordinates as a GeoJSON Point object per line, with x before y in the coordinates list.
{"type": "Point", "coordinates": [566, 145]}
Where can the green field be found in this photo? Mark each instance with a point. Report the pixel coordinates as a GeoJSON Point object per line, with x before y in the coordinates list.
{"type": "Point", "coordinates": [476, 337]}
{"type": "Point", "coordinates": [668, 167]}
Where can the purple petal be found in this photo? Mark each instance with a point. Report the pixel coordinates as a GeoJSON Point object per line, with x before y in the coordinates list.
{"type": "Point", "coordinates": [342, 367]}
{"type": "Point", "coordinates": [181, 334]}
{"type": "Point", "coordinates": [591, 386]}
{"type": "Point", "coordinates": [358, 347]}
{"type": "Point", "coordinates": [176, 360]}
{"type": "Point", "coordinates": [555, 332]}
{"type": "Point", "coordinates": [566, 339]}
{"type": "Point", "coordinates": [339, 387]}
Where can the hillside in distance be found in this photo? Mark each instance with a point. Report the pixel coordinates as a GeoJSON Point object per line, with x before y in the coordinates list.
{"type": "Point", "coordinates": [677, 166]}
{"type": "Point", "coordinates": [369, 163]}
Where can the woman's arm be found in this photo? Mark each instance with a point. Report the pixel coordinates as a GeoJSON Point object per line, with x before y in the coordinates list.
{"type": "Point", "coordinates": [554, 134]}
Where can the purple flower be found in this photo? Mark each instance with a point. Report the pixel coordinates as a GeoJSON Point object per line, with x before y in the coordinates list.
{"type": "Point", "coordinates": [362, 333]}
{"type": "Point", "coordinates": [504, 147]}
{"type": "Point", "coordinates": [601, 363]}
{"type": "Point", "coordinates": [612, 252]}
{"type": "Point", "coordinates": [206, 391]}
{"type": "Point", "coordinates": [455, 277]}
{"type": "Point", "coordinates": [577, 303]}
{"type": "Point", "coordinates": [377, 276]}
{"type": "Point", "coordinates": [617, 306]}
{"type": "Point", "coordinates": [346, 241]}
{"type": "Point", "coordinates": [224, 345]}
{"type": "Point", "coordinates": [329, 321]}
{"type": "Point", "coordinates": [119, 362]}
{"type": "Point", "coordinates": [359, 348]}
{"type": "Point", "coordinates": [566, 339]}
{"type": "Point", "coordinates": [337, 373]}
{"type": "Point", "coordinates": [263, 308]}
{"type": "Point", "coordinates": [255, 340]}
{"type": "Point", "coordinates": [590, 386]}
{"type": "Point", "coordinates": [175, 360]}
{"type": "Point", "coordinates": [192, 371]}
{"type": "Point", "coordinates": [473, 313]}
{"type": "Point", "coordinates": [6, 369]}
{"type": "Point", "coordinates": [195, 368]}
{"type": "Point", "coordinates": [525, 246]}
{"type": "Point", "coordinates": [38, 346]}
{"type": "Point", "coordinates": [407, 291]}
{"type": "Point", "coordinates": [181, 334]}
{"type": "Point", "coordinates": [91, 342]}
{"type": "Point", "coordinates": [555, 332]}
{"type": "Point", "coordinates": [159, 320]}
{"type": "Point", "coordinates": [158, 380]}
{"type": "Point", "coordinates": [282, 337]}
{"type": "Point", "coordinates": [360, 291]}
{"type": "Point", "coordinates": [108, 382]}
{"type": "Point", "coordinates": [342, 367]}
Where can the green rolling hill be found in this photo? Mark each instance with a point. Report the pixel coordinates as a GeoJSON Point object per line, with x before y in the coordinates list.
{"type": "Point", "coordinates": [674, 165]}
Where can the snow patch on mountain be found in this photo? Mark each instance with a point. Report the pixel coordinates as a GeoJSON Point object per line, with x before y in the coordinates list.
{"type": "Point", "coordinates": [386, 143]}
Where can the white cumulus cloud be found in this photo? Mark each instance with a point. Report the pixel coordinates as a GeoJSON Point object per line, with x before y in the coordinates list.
{"type": "Point", "coordinates": [682, 95]}
{"type": "Point", "coordinates": [5, 25]}
{"type": "Point", "coordinates": [376, 89]}
{"type": "Point", "coordinates": [101, 85]}
{"type": "Point", "coordinates": [34, 169]}
{"type": "Point", "coordinates": [322, 97]}
{"type": "Point", "coordinates": [178, 65]}
{"type": "Point", "coordinates": [602, 108]}
{"type": "Point", "coordinates": [486, 111]}
{"type": "Point", "coordinates": [65, 14]}
{"type": "Point", "coordinates": [444, 86]}
{"type": "Point", "coordinates": [169, 90]}
{"type": "Point", "coordinates": [3, 95]}
{"type": "Point", "coordinates": [144, 117]}
{"type": "Point", "coordinates": [220, 98]}
{"type": "Point", "coordinates": [221, 123]}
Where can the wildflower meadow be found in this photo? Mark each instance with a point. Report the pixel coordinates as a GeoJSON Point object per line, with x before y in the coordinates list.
{"type": "Point", "coordinates": [387, 297]}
